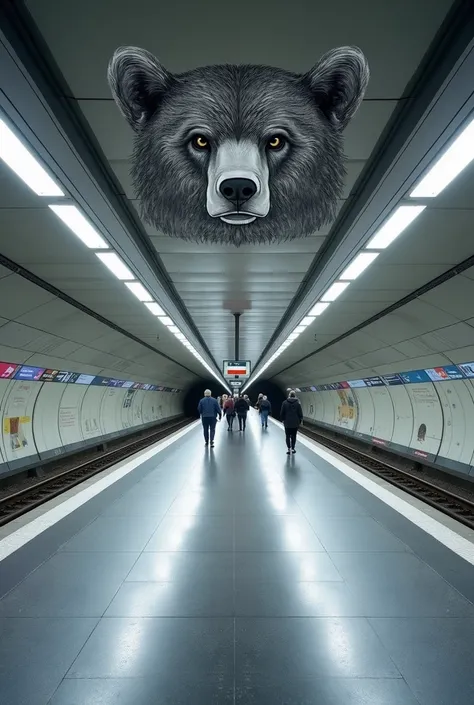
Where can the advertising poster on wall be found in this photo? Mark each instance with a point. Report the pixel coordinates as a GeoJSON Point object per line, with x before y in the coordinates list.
{"type": "Point", "coordinates": [7, 370]}
{"type": "Point", "coordinates": [30, 374]}
{"type": "Point", "coordinates": [13, 428]}
{"type": "Point", "coordinates": [346, 410]}
{"type": "Point", "coordinates": [441, 374]}
{"type": "Point", "coordinates": [66, 377]}
{"type": "Point", "coordinates": [85, 379]}
{"type": "Point", "coordinates": [415, 377]}
{"type": "Point", "coordinates": [127, 402]}
{"type": "Point", "coordinates": [49, 375]}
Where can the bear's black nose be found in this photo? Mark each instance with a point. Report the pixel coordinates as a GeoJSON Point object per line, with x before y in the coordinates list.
{"type": "Point", "coordinates": [238, 191]}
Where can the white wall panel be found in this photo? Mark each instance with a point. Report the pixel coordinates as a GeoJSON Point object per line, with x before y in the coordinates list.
{"type": "Point", "coordinates": [458, 409]}
{"type": "Point", "coordinates": [403, 411]}
{"type": "Point", "coordinates": [70, 428]}
{"type": "Point", "coordinates": [45, 419]}
{"type": "Point", "coordinates": [384, 415]}
{"type": "Point", "coordinates": [365, 412]}
{"type": "Point", "coordinates": [330, 401]}
{"type": "Point", "coordinates": [90, 412]}
{"type": "Point", "coordinates": [137, 407]}
{"type": "Point", "coordinates": [4, 384]}
{"type": "Point", "coordinates": [110, 415]}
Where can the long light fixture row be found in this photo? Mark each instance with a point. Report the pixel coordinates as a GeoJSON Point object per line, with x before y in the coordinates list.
{"type": "Point", "coordinates": [18, 157]}
{"type": "Point", "coordinates": [445, 169]}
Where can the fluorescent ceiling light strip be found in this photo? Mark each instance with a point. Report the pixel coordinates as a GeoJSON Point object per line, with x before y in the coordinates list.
{"type": "Point", "coordinates": [73, 218]}
{"type": "Point", "coordinates": [307, 320]}
{"type": "Point", "coordinates": [155, 308]}
{"type": "Point", "coordinates": [318, 308]}
{"type": "Point", "coordinates": [334, 291]}
{"type": "Point", "coordinates": [115, 265]}
{"type": "Point", "coordinates": [395, 225]}
{"type": "Point", "coordinates": [139, 291]}
{"type": "Point", "coordinates": [166, 320]}
{"type": "Point", "coordinates": [359, 265]}
{"type": "Point", "coordinates": [448, 166]}
{"type": "Point", "coordinates": [174, 329]}
{"type": "Point", "coordinates": [23, 163]}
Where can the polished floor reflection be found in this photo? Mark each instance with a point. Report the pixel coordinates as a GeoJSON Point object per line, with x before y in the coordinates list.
{"type": "Point", "coordinates": [236, 575]}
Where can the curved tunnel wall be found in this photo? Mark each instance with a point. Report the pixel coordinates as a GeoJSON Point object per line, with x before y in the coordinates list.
{"type": "Point", "coordinates": [43, 420]}
{"type": "Point", "coordinates": [429, 421]}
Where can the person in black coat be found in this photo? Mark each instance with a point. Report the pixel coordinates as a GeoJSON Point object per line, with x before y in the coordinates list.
{"type": "Point", "coordinates": [241, 408]}
{"type": "Point", "coordinates": [292, 416]}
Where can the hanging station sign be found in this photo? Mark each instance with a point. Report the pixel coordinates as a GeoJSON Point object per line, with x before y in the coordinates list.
{"type": "Point", "coordinates": [236, 369]}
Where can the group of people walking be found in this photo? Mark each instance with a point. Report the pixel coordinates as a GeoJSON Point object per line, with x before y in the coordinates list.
{"type": "Point", "coordinates": [211, 410]}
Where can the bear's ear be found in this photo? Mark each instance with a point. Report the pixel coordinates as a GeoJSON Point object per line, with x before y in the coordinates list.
{"type": "Point", "coordinates": [338, 82]}
{"type": "Point", "coordinates": [138, 83]}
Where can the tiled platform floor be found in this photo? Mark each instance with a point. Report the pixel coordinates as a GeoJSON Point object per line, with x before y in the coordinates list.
{"type": "Point", "coordinates": [237, 575]}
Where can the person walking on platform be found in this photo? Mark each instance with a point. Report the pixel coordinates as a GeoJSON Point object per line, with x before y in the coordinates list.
{"type": "Point", "coordinates": [229, 412]}
{"type": "Point", "coordinates": [241, 408]}
{"type": "Point", "coordinates": [292, 416]}
{"type": "Point", "coordinates": [265, 409]}
{"type": "Point", "coordinates": [209, 411]}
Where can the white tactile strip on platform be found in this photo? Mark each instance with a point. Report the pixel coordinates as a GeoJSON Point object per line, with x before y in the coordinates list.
{"type": "Point", "coordinates": [411, 510]}
{"type": "Point", "coordinates": [29, 531]}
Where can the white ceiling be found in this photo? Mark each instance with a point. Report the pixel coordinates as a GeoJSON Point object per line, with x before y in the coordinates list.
{"type": "Point", "coordinates": [214, 280]}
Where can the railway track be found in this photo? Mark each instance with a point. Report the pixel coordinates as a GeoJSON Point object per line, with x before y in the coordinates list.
{"type": "Point", "coordinates": [444, 500]}
{"type": "Point", "coordinates": [18, 503]}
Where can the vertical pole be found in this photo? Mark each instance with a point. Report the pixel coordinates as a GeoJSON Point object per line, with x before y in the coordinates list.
{"type": "Point", "coordinates": [237, 335]}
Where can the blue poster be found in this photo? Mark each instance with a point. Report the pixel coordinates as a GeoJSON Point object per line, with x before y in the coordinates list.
{"type": "Point", "coordinates": [467, 368]}
{"type": "Point", "coordinates": [414, 377]}
{"type": "Point", "coordinates": [32, 374]}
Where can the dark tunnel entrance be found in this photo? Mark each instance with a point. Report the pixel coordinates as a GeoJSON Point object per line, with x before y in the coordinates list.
{"type": "Point", "coordinates": [273, 391]}
{"type": "Point", "coordinates": [196, 392]}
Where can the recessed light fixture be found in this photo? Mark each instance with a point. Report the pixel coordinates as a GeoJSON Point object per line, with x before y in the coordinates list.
{"type": "Point", "coordinates": [166, 320]}
{"type": "Point", "coordinates": [334, 291]}
{"type": "Point", "coordinates": [23, 163]}
{"type": "Point", "coordinates": [73, 218]}
{"type": "Point", "coordinates": [155, 308]}
{"type": "Point", "coordinates": [115, 265]}
{"type": "Point", "coordinates": [394, 226]}
{"type": "Point", "coordinates": [448, 166]}
{"type": "Point", "coordinates": [318, 308]}
{"type": "Point", "coordinates": [139, 291]}
{"type": "Point", "coordinates": [358, 265]}
{"type": "Point", "coordinates": [307, 320]}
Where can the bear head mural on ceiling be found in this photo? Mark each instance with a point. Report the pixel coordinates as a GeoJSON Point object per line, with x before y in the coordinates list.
{"type": "Point", "coordinates": [238, 154]}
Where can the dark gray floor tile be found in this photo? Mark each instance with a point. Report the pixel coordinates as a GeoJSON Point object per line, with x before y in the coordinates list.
{"type": "Point", "coordinates": [159, 690]}
{"type": "Point", "coordinates": [272, 533]}
{"type": "Point", "coordinates": [332, 506]}
{"type": "Point", "coordinates": [181, 567]}
{"type": "Point", "coordinates": [400, 585]}
{"type": "Point", "coordinates": [133, 647]}
{"type": "Point", "coordinates": [194, 598]}
{"type": "Point", "coordinates": [120, 534]}
{"type": "Point", "coordinates": [69, 585]}
{"type": "Point", "coordinates": [197, 502]}
{"type": "Point", "coordinates": [325, 691]}
{"type": "Point", "coordinates": [284, 566]}
{"type": "Point", "coordinates": [283, 649]}
{"type": "Point", "coordinates": [193, 533]}
{"type": "Point", "coordinates": [293, 599]}
{"type": "Point", "coordinates": [139, 506]}
{"type": "Point", "coordinates": [433, 655]}
{"type": "Point", "coordinates": [35, 654]}
{"type": "Point", "coordinates": [357, 534]}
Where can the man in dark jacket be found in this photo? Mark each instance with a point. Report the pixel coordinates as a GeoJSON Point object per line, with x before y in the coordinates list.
{"type": "Point", "coordinates": [241, 408]}
{"type": "Point", "coordinates": [292, 416]}
{"type": "Point", "coordinates": [209, 410]}
{"type": "Point", "coordinates": [265, 408]}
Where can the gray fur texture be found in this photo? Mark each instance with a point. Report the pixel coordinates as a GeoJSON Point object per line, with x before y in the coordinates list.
{"type": "Point", "coordinates": [231, 106]}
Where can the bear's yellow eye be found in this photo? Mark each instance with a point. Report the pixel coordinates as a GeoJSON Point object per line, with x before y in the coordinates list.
{"type": "Point", "coordinates": [200, 142]}
{"type": "Point", "coordinates": [276, 142]}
